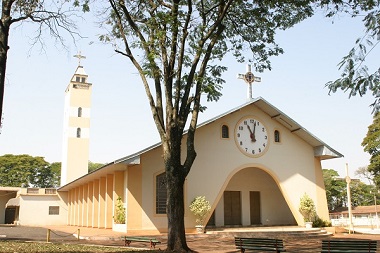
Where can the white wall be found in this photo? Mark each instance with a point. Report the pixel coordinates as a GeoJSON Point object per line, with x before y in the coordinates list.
{"type": "Point", "coordinates": [34, 210]}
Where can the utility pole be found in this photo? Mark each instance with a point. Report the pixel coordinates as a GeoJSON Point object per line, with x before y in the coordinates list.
{"type": "Point", "coordinates": [348, 180]}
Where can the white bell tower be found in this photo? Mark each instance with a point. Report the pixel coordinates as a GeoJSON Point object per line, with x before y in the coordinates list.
{"type": "Point", "coordinates": [76, 126]}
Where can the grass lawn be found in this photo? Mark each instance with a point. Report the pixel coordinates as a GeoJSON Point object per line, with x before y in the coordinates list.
{"type": "Point", "coordinates": [21, 247]}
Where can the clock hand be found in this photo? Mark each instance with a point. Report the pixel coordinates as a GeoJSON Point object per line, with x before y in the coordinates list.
{"type": "Point", "coordinates": [252, 133]}
{"type": "Point", "coordinates": [249, 128]}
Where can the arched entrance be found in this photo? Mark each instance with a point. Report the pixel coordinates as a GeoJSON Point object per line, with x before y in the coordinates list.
{"type": "Point", "coordinates": [252, 197]}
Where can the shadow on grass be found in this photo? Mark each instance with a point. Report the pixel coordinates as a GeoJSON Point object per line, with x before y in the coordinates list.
{"type": "Point", "coordinates": [39, 247]}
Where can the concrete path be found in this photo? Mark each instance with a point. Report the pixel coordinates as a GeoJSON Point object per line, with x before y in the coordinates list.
{"type": "Point", "coordinates": [223, 242]}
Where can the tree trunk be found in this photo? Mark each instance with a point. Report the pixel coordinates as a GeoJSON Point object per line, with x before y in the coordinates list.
{"type": "Point", "coordinates": [175, 211]}
{"type": "Point", "coordinates": [4, 35]}
{"type": "Point", "coordinates": [175, 176]}
{"type": "Point", "coordinates": [3, 63]}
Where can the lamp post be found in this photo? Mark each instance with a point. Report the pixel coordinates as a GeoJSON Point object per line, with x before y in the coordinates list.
{"type": "Point", "coordinates": [375, 201]}
{"type": "Point", "coordinates": [348, 180]}
{"type": "Point", "coordinates": [377, 218]}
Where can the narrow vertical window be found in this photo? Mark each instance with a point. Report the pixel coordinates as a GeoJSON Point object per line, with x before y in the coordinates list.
{"type": "Point", "coordinates": [276, 136]}
{"type": "Point", "coordinates": [225, 132]}
{"type": "Point", "coordinates": [83, 80]}
{"type": "Point", "coordinates": [78, 132]}
{"type": "Point", "coordinates": [77, 79]}
{"type": "Point", "coordinates": [161, 195]}
{"type": "Point", "coordinates": [80, 112]}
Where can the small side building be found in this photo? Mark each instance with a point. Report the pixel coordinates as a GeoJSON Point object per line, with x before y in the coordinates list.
{"type": "Point", "coordinates": [361, 216]}
{"type": "Point", "coordinates": [8, 214]}
{"type": "Point", "coordinates": [32, 206]}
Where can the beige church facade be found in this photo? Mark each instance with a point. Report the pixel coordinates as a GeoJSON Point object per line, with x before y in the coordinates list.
{"type": "Point", "coordinates": [253, 164]}
{"type": "Point", "coordinates": [245, 184]}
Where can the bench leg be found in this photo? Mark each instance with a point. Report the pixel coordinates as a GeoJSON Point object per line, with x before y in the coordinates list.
{"type": "Point", "coordinates": [127, 242]}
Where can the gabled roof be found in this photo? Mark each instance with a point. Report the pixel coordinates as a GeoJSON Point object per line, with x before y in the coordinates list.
{"type": "Point", "coordinates": [321, 149]}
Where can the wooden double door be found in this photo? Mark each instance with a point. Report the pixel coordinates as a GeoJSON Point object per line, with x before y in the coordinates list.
{"type": "Point", "coordinates": [233, 210]}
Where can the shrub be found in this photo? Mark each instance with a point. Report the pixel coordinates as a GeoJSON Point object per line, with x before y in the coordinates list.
{"type": "Point", "coordinates": [319, 223]}
{"type": "Point", "coordinates": [307, 208]}
{"type": "Point", "coordinates": [119, 217]}
{"type": "Point", "coordinates": [200, 207]}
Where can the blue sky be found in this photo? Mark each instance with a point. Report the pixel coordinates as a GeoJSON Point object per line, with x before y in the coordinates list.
{"type": "Point", "coordinates": [121, 122]}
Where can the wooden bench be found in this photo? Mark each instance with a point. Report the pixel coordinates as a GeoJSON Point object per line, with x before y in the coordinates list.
{"type": "Point", "coordinates": [151, 241]}
{"type": "Point", "coordinates": [346, 246]}
{"type": "Point", "coordinates": [261, 244]}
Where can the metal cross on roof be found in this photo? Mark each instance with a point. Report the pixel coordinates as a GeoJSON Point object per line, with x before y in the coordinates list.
{"type": "Point", "coordinates": [79, 56]}
{"type": "Point", "coordinates": [249, 78]}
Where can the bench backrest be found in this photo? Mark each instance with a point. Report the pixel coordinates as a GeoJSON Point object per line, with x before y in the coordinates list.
{"type": "Point", "coordinates": [140, 238]}
{"type": "Point", "coordinates": [357, 246]}
{"type": "Point", "coordinates": [259, 242]}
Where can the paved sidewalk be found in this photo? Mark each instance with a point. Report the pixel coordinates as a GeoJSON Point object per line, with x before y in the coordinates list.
{"type": "Point", "coordinates": [222, 242]}
{"type": "Point", "coordinates": [197, 242]}
{"type": "Point", "coordinates": [68, 234]}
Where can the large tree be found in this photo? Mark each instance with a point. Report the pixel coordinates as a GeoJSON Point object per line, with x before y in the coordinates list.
{"type": "Point", "coordinates": [176, 47]}
{"type": "Point", "coordinates": [53, 16]}
{"type": "Point", "coordinates": [55, 168]}
{"type": "Point", "coordinates": [362, 194]}
{"type": "Point", "coordinates": [335, 189]}
{"type": "Point", "coordinates": [371, 144]}
{"type": "Point", "coordinates": [28, 171]}
{"type": "Point", "coordinates": [357, 78]}
{"type": "Point", "coordinates": [94, 166]}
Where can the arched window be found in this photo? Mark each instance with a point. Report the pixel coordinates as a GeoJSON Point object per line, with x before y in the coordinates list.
{"type": "Point", "coordinates": [161, 195]}
{"type": "Point", "coordinates": [276, 136]}
{"type": "Point", "coordinates": [78, 132]}
{"type": "Point", "coordinates": [225, 132]}
{"type": "Point", "coordinates": [80, 112]}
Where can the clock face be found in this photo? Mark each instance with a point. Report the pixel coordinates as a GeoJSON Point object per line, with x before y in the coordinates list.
{"type": "Point", "coordinates": [251, 136]}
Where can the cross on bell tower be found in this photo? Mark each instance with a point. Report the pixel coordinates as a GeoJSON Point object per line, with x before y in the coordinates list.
{"type": "Point", "coordinates": [79, 56]}
{"type": "Point", "coordinates": [249, 78]}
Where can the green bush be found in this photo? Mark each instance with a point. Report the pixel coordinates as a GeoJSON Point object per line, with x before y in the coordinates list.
{"type": "Point", "coordinates": [307, 208]}
{"type": "Point", "coordinates": [119, 217]}
{"type": "Point", "coordinates": [319, 223]}
{"type": "Point", "coordinates": [200, 207]}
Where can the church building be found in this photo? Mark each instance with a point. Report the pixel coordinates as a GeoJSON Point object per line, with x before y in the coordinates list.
{"type": "Point", "coordinates": [254, 163]}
